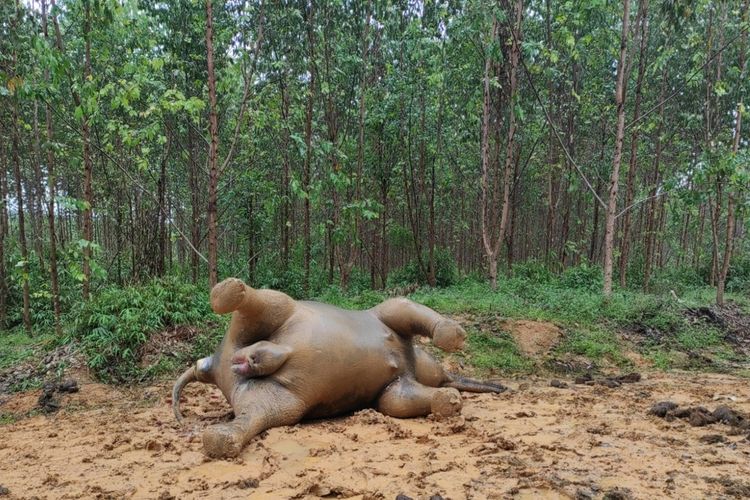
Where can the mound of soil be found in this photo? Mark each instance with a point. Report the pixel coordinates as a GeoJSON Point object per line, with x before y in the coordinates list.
{"type": "Point", "coordinates": [584, 442]}
{"type": "Point", "coordinates": [44, 366]}
{"type": "Point", "coordinates": [533, 338]}
{"type": "Point", "coordinates": [730, 318]}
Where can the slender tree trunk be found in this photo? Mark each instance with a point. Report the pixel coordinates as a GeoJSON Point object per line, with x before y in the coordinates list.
{"type": "Point", "coordinates": [485, 156]}
{"type": "Point", "coordinates": [88, 166]}
{"type": "Point", "coordinates": [3, 233]}
{"type": "Point", "coordinates": [492, 248]}
{"type": "Point", "coordinates": [652, 203]}
{"type": "Point", "coordinates": [286, 208]}
{"type": "Point", "coordinates": [213, 152]}
{"type": "Point", "coordinates": [21, 222]}
{"type": "Point", "coordinates": [51, 183]}
{"type": "Point", "coordinates": [14, 126]}
{"type": "Point", "coordinates": [642, 25]}
{"type": "Point", "coordinates": [729, 242]}
{"type": "Point", "coordinates": [193, 185]}
{"type": "Point", "coordinates": [614, 179]}
{"type": "Point", "coordinates": [35, 206]}
{"type": "Point", "coordinates": [306, 174]}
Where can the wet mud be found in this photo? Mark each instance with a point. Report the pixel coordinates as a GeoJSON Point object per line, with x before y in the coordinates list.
{"type": "Point", "coordinates": [586, 441]}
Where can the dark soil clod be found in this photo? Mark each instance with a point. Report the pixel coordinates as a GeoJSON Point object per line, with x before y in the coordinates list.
{"type": "Point", "coordinates": [558, 384]}
{"type": "Point", "coordinates": [662, 408]}
{"type": "Point", "coordinates": [584, 378]}
{"type": "Point", "coordinates": [69, 386]}
{"type": "Point", "coordinates": [609, 382]}
{"type": "Point", "coordinates": [630, 378]}
{"type": "Point", "coordinates": [728, 416]}
{"type": "Point", "coordinates": [47, 401]}
{"type": "Point", "coordinates": [401, 496]}
{"type": "Point", "coordinates": [618, 494]}
{"type": "Point", "coordinates": [4, 491]}
{"type": "Point", "coordinates": [712, 439]}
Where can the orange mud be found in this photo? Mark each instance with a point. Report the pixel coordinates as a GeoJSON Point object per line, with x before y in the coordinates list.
{"type": "Point", "coordinates": [534, 442]}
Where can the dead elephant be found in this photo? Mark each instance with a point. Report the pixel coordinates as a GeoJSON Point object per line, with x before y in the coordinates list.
{"type": "Point", "coordinates": [283, 360]}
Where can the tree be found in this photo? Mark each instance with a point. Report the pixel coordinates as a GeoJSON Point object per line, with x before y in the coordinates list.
{"type": "Point", "coordinates": [614, 179]}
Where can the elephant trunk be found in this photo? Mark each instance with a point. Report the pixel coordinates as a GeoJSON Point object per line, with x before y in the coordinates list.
{"type": "Point", "coordinates": [187, 377]}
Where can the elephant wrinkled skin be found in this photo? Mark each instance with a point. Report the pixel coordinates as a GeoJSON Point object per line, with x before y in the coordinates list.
{"type": "Point", "coordinates": [283, 360]}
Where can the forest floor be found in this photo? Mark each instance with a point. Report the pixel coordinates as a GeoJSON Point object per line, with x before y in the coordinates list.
{"type": "Point", "coordinates": [582, 441]}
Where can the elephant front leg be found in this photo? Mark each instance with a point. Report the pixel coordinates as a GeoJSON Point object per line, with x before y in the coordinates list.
{"type": "Point", "coordinates": [407, 398]}
{"type": "Point", "coordinates": [263, 409]}
{"type": "Point", "coordinates": [407, 318]}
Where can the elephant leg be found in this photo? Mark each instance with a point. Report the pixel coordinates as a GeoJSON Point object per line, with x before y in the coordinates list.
{"type": "Point", "coordinates": [407, 398]}
{"type": "Point", "coordinates": [429, 372]}
{"type": "Point", "coordinates": [257, 313]}
{"type": "Point", "coordinates": [407, 318]}
{"type": "Point", "coordinates": [266, 407]}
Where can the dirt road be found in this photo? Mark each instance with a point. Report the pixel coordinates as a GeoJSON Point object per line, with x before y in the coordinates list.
{"type": "Point", "coordinates": [537, 441]}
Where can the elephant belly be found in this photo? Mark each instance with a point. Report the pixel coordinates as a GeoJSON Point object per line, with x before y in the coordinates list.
{"type": "Point", "coordinates": [342, 360]}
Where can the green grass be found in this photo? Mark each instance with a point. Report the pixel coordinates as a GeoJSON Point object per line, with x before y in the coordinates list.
{"type": "Point", "coordinates": [595, 344]}
{"type": "Point", "coordinates": [490, 352]}
{"type": "Point", "coordinates": [16, 346]}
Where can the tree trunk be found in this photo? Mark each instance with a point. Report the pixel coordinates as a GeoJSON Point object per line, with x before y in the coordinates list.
{"type": "Point", "coordinates": [3, 233]}
{"type": "Point", "coordinates": [21, 222]}
{"type": "Point", "coordinates": [287, 209]}
{"type": "Point", "coordinates": [51, 183]}
{"type": "Point", "coordinates": [213, 151]}
{"type": "Point", "coordinates": [729, 242]}
{"type": "Point", "coordinates": [656, 176]}
{"type": "Point", "coordinates": [609, 231]}
{"type": "Point", "coordinates": [642, 24]}
{"type": "Point", "coordinates": [492, 247]}
{"type": "Point", "coordinates": [35, 205]}
{"type": "Point", "coordinates": [306, 174]}
{"type": "Point", "coordinates": [88, 166]}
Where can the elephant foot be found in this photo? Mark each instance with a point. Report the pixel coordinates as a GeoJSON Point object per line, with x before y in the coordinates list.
{"type": "Point", "coordinates": [448, 335]}
{"type": "Point", "coordinates": [227, 295]}
{"type": "Point", "coordinates": [446, 402]}
{"type": "Point", "coordinates": [223, 440]}
{"type": "Point", "coordinates": [407, 398]}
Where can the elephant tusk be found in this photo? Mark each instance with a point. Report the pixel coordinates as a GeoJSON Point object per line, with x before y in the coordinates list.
{"type": "Point", "coordinates": [187, 377]}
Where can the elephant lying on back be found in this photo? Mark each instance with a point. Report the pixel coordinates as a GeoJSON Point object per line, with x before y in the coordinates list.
{"type": "Point", "coordinates": [283, 360]}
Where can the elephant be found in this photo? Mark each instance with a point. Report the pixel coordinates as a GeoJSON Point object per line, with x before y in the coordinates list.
{"type": "Point", "coordinates": [282, 361]}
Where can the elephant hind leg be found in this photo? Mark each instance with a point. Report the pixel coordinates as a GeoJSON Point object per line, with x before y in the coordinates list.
{"type": "Point", "coordinates": [406, 398]}
{"type": "Point", "coordinates": [429, 372]}
{"type": "Point", "coordinates": [267, 406]}
{"type": "Point", "coordinates": [407, 318]}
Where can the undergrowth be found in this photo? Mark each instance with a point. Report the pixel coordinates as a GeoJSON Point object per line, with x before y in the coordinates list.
{"type": "Point", "coordinates": [115, 324]}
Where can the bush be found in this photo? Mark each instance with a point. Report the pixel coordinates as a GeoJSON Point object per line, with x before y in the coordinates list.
{"type": "Point", "coordinates": [584, 276]}
{"type": "Point", "coordinates": [534, 271]}
{"type": "Point", "coordinates": [446, 271]}
{"type": "Point", "coordinates": [116, 322]}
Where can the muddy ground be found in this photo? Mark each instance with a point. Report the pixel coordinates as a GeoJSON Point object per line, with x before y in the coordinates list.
{"type": "Point", "coordinates": [535, 441]}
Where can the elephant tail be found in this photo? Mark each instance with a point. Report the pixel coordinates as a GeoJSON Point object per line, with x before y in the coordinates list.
{"type": "Point", "coordinates": [472, 385]}
{"type": "Point", "coordinates": [187, 377]}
